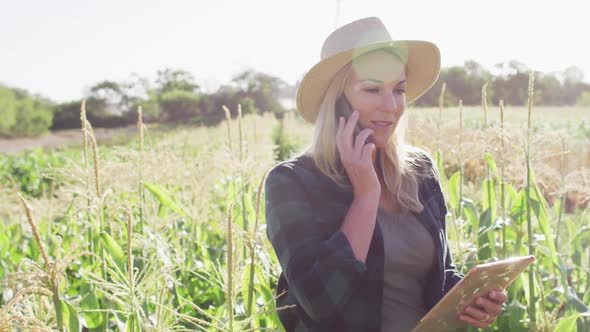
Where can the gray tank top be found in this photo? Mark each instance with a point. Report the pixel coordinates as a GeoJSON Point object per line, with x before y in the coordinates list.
{"type": "Point", "coordinates": [409, 256]}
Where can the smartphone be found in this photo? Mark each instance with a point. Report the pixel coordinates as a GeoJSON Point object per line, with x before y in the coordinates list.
{"type": "Point", "coordinates": [344, 109]}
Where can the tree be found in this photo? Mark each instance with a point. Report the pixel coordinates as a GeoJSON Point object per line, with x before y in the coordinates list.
{"type": "Point", "coordinates": [572, 75]}
{"type": "Point", "coordinates": [33, 117]}
{"type": "Point", "coordinates": [513, 89]}
{"type": "Point", "coordinates": [180, 106]}
{"type": "Point", "coordinates": [150, 107]}
{"type": "Point", "coordinates": [211, 105]}
{"type": "Point", "coordinates": [67, 115]}
{"type": "Point", "coordinates": [248, 105]}
{"type": "Point", "coordinates": [175, 80]}
{"type": "Point", "coordinates": [474, 69]}
{"type": "Point", "coordinates": [7, 109]}
{"type": "Point", "coordinates": [431, 97]}
{"type": "Point", "coordinates": [113, 96]}
{"type": "Point", "coordinates": [517, 67]}
{"type": "Point", "coordinates": [549, 89]}
{"type": "Point", "coordinates": [139, 92]}
{"type": "Point", "coordinates": [264, 89]}
{"type": "Point", "coordinates": [464, 86]}
{"type": "Point", "coordinates": [22, 114]}
{"type": "Point", "coordinates": [573, 85]}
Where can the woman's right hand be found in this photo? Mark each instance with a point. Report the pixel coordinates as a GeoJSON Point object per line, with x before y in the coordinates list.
{"type": "Point", "coordinates": [356, 157]}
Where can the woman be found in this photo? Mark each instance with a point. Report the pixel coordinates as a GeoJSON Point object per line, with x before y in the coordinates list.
{"type": "Point", "coordinates": [359, 226]}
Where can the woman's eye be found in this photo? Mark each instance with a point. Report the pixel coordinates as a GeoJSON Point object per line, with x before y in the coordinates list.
{"type": "Point", "coordinates": [376, 90]}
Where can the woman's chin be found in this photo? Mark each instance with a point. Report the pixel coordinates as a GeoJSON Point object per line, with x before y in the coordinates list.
{"type": "Point", "coordinates": [380, 141]}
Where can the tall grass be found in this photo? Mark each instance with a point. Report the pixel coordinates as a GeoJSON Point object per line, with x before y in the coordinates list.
{"type": "Point", "coordinates": [484, 104]}
{"type": "Point", "coordinates": [502, 179]}
{"type": "Point", "coordinates": [532, 310]}
{"type": "Point", "coordinates": [230, 269]}
{"type": "Point", "coordinates": [140, 191]}
{"type": "Point", "coordinates": [49, 266]}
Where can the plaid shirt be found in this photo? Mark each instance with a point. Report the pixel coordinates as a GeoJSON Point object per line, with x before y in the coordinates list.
{"type": "Point", "coordinates": [332, 290]}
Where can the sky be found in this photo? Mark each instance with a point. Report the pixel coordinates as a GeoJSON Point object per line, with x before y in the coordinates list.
{"type": "Point", "coordinates": [60, 48]}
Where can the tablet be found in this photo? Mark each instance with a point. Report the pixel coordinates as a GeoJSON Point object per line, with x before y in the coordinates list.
{"type": "Point", "coordinates": [478, 281]}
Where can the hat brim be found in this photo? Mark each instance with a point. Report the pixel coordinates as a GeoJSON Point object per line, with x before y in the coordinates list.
{"type": "Point", "coordinates": [422, 70]}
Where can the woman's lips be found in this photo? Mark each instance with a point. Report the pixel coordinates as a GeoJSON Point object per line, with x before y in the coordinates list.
{"type": "Point", "coordinates": [382, 124]}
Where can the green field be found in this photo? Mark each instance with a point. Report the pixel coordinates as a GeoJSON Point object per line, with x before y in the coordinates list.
{"type": "Point", "coordinates": [168, 232]}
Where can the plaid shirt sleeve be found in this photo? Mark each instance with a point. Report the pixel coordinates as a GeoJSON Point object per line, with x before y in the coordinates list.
{"type": "Point", "coordinates": [320, 268]}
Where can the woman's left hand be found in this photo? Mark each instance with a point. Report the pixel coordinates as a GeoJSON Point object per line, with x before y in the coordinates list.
{"type": "Point", "coordinates": [482, 312]}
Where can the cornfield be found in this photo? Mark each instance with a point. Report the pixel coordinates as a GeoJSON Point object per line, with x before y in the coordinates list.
{"type": "Point", "coordinates": [167, 232]}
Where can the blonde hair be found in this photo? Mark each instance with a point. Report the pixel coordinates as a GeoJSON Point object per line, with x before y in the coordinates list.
{"type": "Point", "coordinates": [396, 159]}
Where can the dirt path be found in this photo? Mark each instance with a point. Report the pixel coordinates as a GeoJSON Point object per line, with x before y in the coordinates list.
{"type": "Point", "coordinates": [62, 138]}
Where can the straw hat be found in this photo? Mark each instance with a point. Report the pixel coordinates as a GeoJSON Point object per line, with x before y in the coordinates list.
{"type": "Point", "coordinates": [421, 59]}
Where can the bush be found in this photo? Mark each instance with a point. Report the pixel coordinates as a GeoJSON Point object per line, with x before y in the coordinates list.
{"type": "Point", "coordinates": [584, 99]}
{"type": "Point", "coordinates": [23, 115]}
{"type": "Point", "coordinates": [151, 111]}
{"type": "Point", "coordinates": [180, 106]}
{"type": "Point", "coordinates": [7, 109]}
{"type": "Point", "coordinates": [248, 106]}
{"type": "Point", "coordinates": [33, 117]}
{"type": "Point", "coordinates": [67, 115]}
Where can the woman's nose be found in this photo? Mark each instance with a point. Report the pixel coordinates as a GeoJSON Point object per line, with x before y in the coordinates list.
{"type": "Point", "coordinates": [390, 104]}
